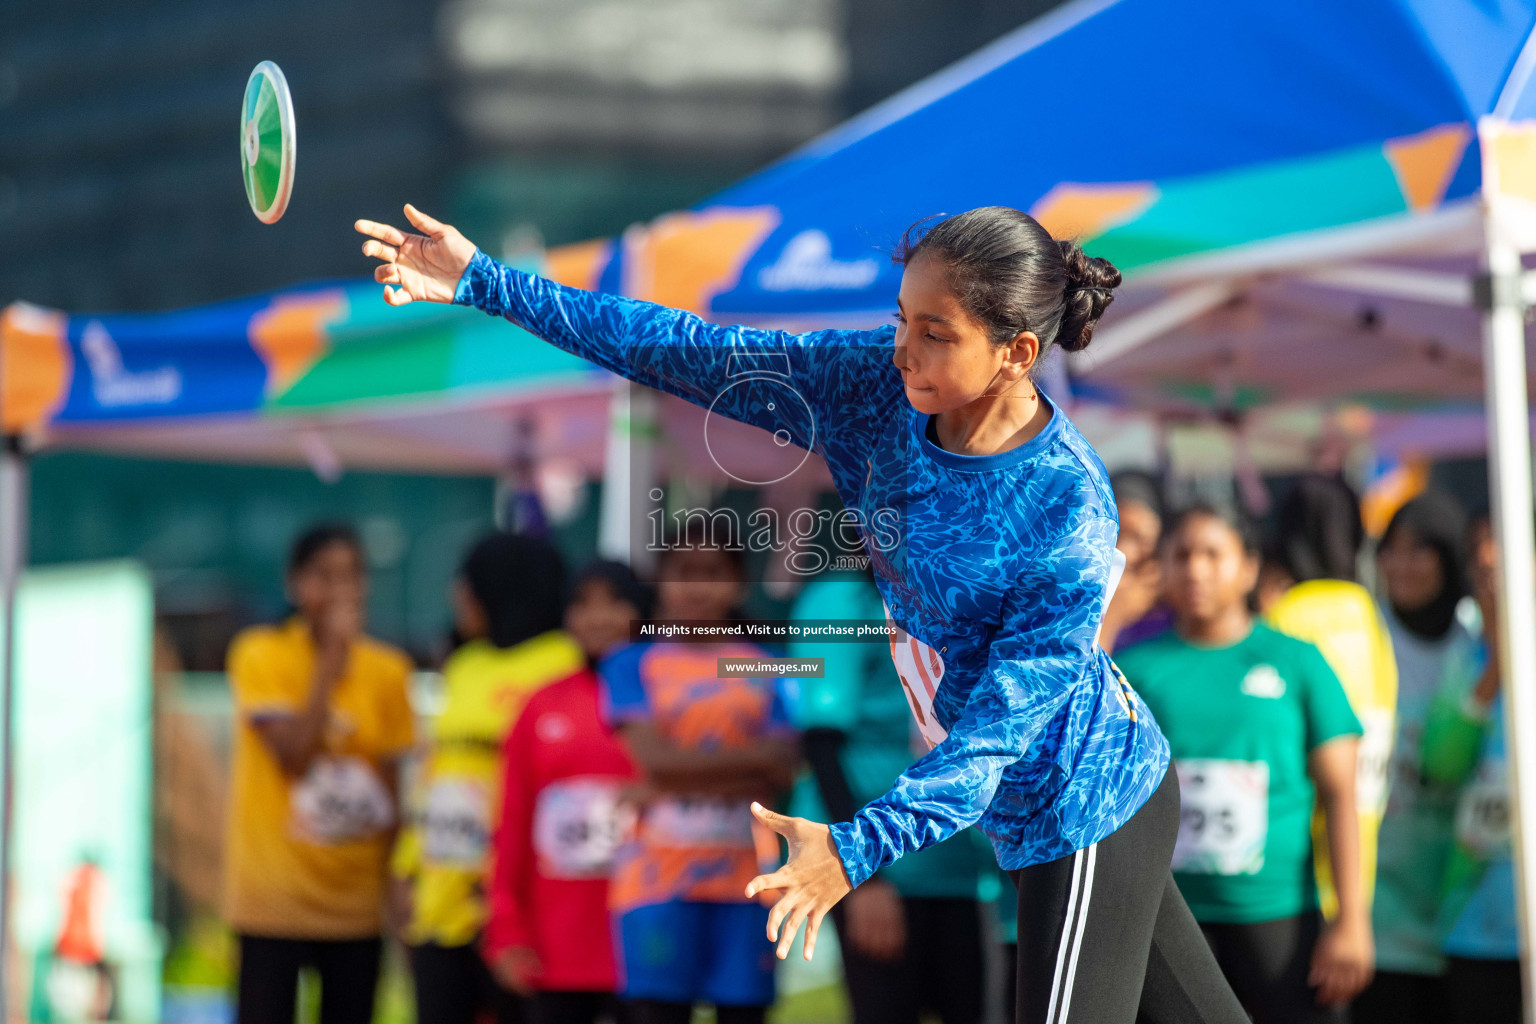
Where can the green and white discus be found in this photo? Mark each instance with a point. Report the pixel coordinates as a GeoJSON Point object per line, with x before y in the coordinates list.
{"type": "Point", "coordinates": [267, 142]}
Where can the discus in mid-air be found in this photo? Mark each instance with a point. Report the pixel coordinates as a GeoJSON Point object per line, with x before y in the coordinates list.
{"type": "Point", "coordinates": [267, 142]}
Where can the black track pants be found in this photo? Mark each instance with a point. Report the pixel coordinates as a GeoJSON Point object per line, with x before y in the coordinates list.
{"type": "Point", "coordinates": [1105, 937]}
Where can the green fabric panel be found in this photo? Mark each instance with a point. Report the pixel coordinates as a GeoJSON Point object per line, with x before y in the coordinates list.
{"type": "Point", "coordinates": [399, 363]}
{"type": "Point", "coordinates": [1196, 215]}
{"type": "Point", "coordinates": [492, 351]}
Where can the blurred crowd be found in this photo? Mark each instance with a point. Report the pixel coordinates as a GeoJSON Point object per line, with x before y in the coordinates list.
{"type": "Point", "coordinates": [571, 837]}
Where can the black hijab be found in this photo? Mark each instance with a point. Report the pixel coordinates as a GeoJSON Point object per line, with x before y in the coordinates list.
{"type": "Point", "coordinates": [1319, 530]}
{"type": "Point", "coordinates": [520, 582]}
{"type": "Point", "coordinates": [1438, 521]}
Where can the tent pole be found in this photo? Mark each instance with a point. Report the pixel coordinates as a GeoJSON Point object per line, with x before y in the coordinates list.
{"type": "Point", "coordinates": [1509, 462]}
{"type": "Point", "coordinates": [628, 475]}
{"type": "Point", "coordinates": [13, 558]}
{"type": "Point", "coordinates": [613, 515]}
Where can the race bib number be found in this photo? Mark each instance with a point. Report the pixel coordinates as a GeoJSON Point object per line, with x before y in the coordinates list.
{"type": "Point", "coordinates": [699, 822]}
{"type": "Point", "coordinates": [920, 669]}
{"type": "Point", "coordinates": [456, 823]}
{"type": "Point", "coordinates": [1372, 771]}
{"type": "Point", "coordinates": [577, 826]}
{"type": "Point", "coordinates": [340, 800]}
{"type": "Point", "coordinates": [1224, 818]}
{"type": "Point", "coordinates": [1482, 813]}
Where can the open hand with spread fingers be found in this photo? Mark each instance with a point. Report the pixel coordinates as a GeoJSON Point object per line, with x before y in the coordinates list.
{"type": "Point", "coordinates": [812, 880]}
{"type": "Point", "coordinates": [425, 266]}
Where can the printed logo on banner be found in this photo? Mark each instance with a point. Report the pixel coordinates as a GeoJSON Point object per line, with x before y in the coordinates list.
{"type": "Point", "coordinates": [806, 264]}
{"type": "Point", "coordinates": [113, 385]}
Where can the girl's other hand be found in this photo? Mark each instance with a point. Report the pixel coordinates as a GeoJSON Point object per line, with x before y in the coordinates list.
{"type": "Point", "coordinates": [812, 881]}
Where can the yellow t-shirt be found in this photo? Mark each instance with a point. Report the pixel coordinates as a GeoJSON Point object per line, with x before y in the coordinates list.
{"type": "Point", "coordinates": [445, 845]}
{"type": "Point", "coordinates": [307, 858]}
{"type": "Point", "coordinates": [1343, 621]}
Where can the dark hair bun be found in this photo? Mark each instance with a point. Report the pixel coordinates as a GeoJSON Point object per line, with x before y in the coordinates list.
{"type": "Point", "coordinates": [1090, 289]}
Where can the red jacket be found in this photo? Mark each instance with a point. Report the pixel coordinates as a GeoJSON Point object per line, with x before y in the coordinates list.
{"type": "Point", "coordinates": [562, 769]}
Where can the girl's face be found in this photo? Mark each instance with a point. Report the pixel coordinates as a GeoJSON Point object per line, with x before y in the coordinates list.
{"type": "Point", "coordinates": [598, 618]}
{"type": "Point", "coordinates": [698, 584]}
{"type": "Point", "coordinates": [1206, 571]}
{"type": "Point", "coordinates": [1411, 570]}
{"type": "Point", "coordinates": [334, 575]}
{"type": "Point", "coordinates": [946, 357]}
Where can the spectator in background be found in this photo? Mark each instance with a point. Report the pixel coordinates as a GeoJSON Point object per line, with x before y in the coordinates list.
{"type": "Point", "coordinates": [707, 745]}
{"type": "Point", "coordinates": [1464, 746]}
{"type": "Point", "coordinates": [605, 600]}
{"type": "Point", "coordinates": [911, 936]}
{"type": "Point", "coordinates": [323, 716]}
{"type": "Point", "coordinates": [1134, 612]}
{"type": "Point", "coordinates": [508, 605]}
{"type": "Point", "coordinates": [549, 937]}
{"type": "Point", "coordinates": [1421, 565]}
{"type": "Point", "coordinates": [1260, 730]}
{"type": "Point", "coordinates": [1317, 551]}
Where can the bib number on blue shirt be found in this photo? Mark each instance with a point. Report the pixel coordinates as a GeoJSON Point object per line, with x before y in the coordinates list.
{"type": "Point", "coordinates": [1482, 813]}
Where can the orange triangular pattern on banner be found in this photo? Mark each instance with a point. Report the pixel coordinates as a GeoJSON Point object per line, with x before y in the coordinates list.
{"type": "Point", "coordinates": [289, 335]}
{"type": "Point", "coordinates": [1424, 163]}
{"type": "Point", "coordinates": [1072, 210]}
{"type": "Point", "coordinates": [685, 259]}
{"type": "Point", "coordinates": [579, 264]}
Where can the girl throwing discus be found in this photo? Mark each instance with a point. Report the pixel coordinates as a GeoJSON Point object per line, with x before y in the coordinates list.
{"type": "Point", "coordinates": [991, 527]}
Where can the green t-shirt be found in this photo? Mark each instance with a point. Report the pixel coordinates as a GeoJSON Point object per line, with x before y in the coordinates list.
{"type": "Point", "coordinates": [861, 696]}
{"type": "Point", "coordinates": [1240, 721]}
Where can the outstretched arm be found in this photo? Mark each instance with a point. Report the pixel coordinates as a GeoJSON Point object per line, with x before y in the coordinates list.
{"type": "Point", "coordinates": [667, 349]}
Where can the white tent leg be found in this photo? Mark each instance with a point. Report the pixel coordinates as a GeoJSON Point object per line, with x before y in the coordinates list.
{"type": "Point", "coordinates": [1509, 462]}
{"type": "Point", "coordinates": [613, 533]}
{"type": "Point", "coordinates": [628, 473]}
{"type": "Point", "coordinates": [13, 557]}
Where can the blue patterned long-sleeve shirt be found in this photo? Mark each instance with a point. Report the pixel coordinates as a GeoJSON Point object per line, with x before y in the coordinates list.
{"type": "Point", "coordinates": [994, 568]}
